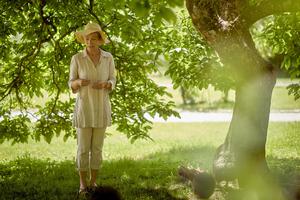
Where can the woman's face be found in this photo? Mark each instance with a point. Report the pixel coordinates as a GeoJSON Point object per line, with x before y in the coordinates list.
{"type": "Point", "coordinates": [93, 40]}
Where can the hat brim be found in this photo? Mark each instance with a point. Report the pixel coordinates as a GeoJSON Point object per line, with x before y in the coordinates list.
{"type": "Point", "coordinates": [79, 35]}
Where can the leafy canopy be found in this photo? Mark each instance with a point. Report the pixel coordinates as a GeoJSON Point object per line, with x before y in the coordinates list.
{"type": "Point", "coordinates": [37, 42]}
{"type": "Point", "coordinates": [277, 37]}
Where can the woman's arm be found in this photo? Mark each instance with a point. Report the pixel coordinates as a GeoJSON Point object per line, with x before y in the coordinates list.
{"type": "Point", "coordinates": [112, 77]}
{"type": "Point", "coordinates": [74, 82]}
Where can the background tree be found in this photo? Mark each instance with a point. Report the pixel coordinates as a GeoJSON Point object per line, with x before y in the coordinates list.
{"type": "Point", "coordinates": [226, 26]}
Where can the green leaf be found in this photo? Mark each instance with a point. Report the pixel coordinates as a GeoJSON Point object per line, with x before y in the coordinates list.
{"type": "Point", "coordinates": [167, 14]}
{"type": "Point", "coordinates": [141, 7]}
{"type": "Point", "coordinates": [174, 3]}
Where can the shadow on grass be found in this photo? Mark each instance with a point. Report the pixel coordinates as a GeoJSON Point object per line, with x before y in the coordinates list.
{"type": "Point", "coordinates": [152, 178]}
{"type": "Point", "coordinates": [288, 172]}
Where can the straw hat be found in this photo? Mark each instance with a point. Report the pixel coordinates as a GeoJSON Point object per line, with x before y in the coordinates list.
{"type": "Point", "coordinates": [88, 29]}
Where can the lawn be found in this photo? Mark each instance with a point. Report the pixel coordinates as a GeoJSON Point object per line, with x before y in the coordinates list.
{"type": "Point", "coordinates": [209, 99]}
{"type": "Point", "coordinates": [143, 170]}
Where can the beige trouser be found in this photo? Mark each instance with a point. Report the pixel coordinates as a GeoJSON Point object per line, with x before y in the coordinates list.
{"type": "Point", "coordinates": [89, 151]}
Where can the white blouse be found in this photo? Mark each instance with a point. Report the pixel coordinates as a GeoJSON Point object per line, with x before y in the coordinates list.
{"type": "Point", "coordinates": [92, 108]}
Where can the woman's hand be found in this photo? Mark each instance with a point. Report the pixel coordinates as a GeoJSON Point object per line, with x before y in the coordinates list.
{"type": "Point", "coordinates": [83, 82]}
{"type": "Point", "coordinates": [102, 85]}
{"type": "Point", "coordinates": [79, 83]}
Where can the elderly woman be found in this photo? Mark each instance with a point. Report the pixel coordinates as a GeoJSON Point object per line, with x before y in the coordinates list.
{"type": "Point", "coordinates": [92, 78]}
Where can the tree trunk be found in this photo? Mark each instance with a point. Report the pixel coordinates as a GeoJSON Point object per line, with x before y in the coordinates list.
{"type": "Point", "coordinates": [247, 133]}
{"type": "Point", "coordinates": [220, 23]}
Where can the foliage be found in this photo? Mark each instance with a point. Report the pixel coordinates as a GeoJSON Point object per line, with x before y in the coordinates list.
{"type": "Point", "coordinates": [193, 64]}
{"type": "Point", "coordinates": [277, 37]}
{"type": "Point", "coordinates": [37, 42]}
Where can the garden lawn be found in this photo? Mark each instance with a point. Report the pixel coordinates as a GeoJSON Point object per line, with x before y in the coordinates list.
{"type": "Point", "coordinates": [209, 99]}
{"type": "Point", "coordinates": [142, 170]}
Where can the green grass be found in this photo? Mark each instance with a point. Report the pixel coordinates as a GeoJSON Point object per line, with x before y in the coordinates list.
{"type": "Point", "coordinates": [143, 170]}
{"type": "Point", "coordinates": [209, 99]}
{"type": "Point", "coordinates": [281, 100]}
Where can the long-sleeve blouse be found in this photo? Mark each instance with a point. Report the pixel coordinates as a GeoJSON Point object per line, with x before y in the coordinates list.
{"type": "Point", "coordinates": [92, 107]}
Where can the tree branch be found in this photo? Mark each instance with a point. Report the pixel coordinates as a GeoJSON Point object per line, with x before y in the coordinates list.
{"type": "Point", "coordinates": [269, 7]}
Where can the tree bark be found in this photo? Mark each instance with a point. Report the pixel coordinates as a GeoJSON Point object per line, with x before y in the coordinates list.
{"type": "Point", "coordinates": [223, 26]}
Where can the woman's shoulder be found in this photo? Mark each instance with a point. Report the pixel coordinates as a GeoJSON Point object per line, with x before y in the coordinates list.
{"type": "Point", "coordinates": [106, 53]}
{"type": "Point", "coordinates": [78, 55]}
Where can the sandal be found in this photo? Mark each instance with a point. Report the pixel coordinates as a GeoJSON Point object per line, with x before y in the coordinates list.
{"type": "Point", "coordinates": [94, 185]}
{"type": "Point", "coordinates": [82, 194]}
{"type": "Point", "coordinates": [82, 191]}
